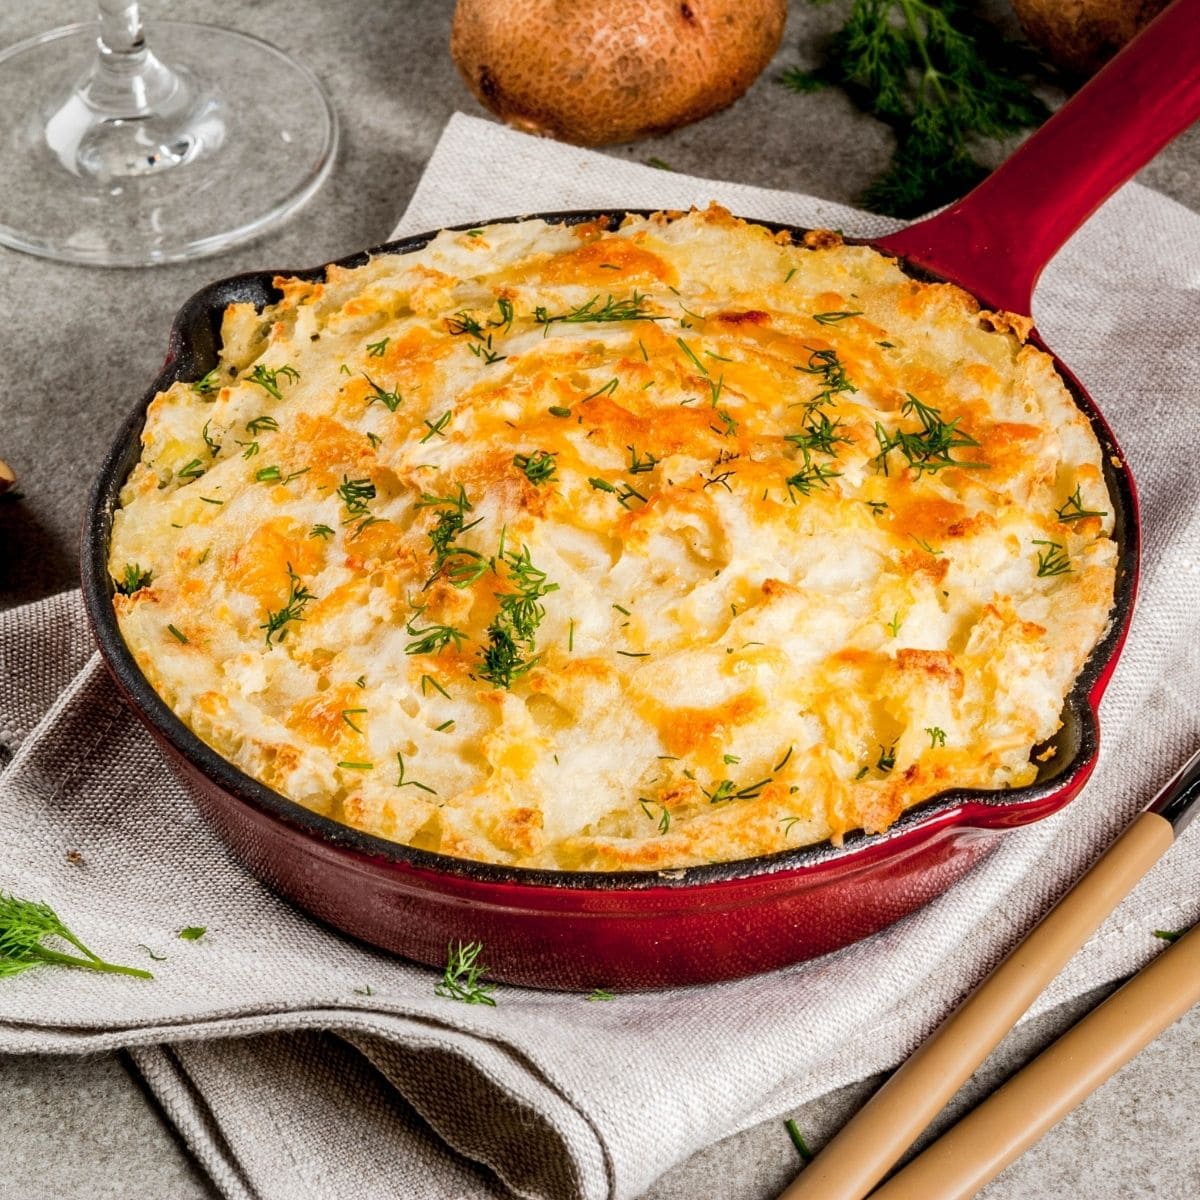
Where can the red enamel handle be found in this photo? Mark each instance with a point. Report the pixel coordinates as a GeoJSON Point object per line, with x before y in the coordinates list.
{"type": "Point", "coordinates": [996, 240]}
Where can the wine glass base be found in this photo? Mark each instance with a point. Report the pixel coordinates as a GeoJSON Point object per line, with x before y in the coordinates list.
{"type": "Point", "coordinates": [250, 141]}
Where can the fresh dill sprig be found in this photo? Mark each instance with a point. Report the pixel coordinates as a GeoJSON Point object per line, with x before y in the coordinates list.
{"type": "Point", "coordinates": [321, 531]}
{"type": "Point", "coordinates": [928, 449]}
{"type": "Point", "coordinates": [261, 424]}
{"type": "Point", "coordinates": [510, 650]}
{"type": "Point", "coordinates": [464, 564]}
{"type": "Point", "coordinates": [943, 79]}
{"type": "Point", "coordinates": [377, 349]}
{"type": "Point", "coordinates": [24, 927]}
{"type": "Point", "coordinates": [802, 82]}
{"type": "Point", "coordinates": [133, 579]}
{"type": "Point", "coordinates": [267, 378]}
{"type": "Point", "coordinates": [191, 470]}
{"type": "Point", "coordinates": [632, 308]}
{"type": "Point", "coordinates": [1054, 560]}
{"type": "Point", "coordinates": [818, 433]}
{"type": "Point", "coordinates": [831, 374]}
{"type": "Point", "coordinates": [538, 467]}
{"type": "Point", "coordinates": [278, 619]}
{"type": "Point", "coordinates": [463, 977]}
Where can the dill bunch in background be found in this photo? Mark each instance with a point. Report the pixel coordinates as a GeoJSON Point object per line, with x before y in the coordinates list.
{"type": "Point", "coordinates": [942, 78]}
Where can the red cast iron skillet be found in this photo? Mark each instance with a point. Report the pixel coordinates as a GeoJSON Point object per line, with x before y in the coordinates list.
{"type": "Point", "coordinates": [641, 929]}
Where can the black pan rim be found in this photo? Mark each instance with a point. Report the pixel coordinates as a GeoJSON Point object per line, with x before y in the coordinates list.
{"type": "Point", "coordinates": [936, 812]}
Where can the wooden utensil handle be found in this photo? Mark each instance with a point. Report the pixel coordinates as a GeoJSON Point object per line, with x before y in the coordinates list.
{"type": "Point", "coordinates": [862, 1153]}
{"type": "Point", "coordinates": [1009, 1121]}
{"type": "Point", "coordinates": [996, 240]}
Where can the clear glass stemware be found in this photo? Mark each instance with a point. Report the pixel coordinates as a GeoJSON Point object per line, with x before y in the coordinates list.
{"type": "Point", "coordinates": [124, 147]}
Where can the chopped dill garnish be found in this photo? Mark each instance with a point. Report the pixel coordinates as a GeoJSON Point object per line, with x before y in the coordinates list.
{"type": "Point", "coordinates": [133, 579]}
{"type": "Point", "coordinates": [268, 475]}
{"type": "Point", "coordinates": [538, 467]}
{"type": "Point", "coordinates": [509, 652]}
{"type": "Point", "coordinates": [664, 813]}
{"type": "Point", "coordinates": [1054, 560]}
{"type": "Point", "coordinates": [261, 424]}
{"type": "Point", "coordinates": [798, 1141]}
{"type": "Point", "coordinates": [433, 639]}
{"type": "Point", "coordinates": [831, 318]}
{"type": "Point", "coordinates": [557, 410]}
{"type": "Point", "coordinates": [377, 349]}
{"type": "Point", "coordinates": [214, 447]}
{"type": "Point", "coordinates": [320, 531]}
{"type": "Point", "coordinates": [607, 390]}
{"type": "Point", "coordinates": [278, 620]}
{"type": "Point", "coordinates": [1073, 510]}
{"type": "Point", "coordinates": [250, 448]}
{"type": "Point", "coordinates": [937, 736]}
{"type": "Point", "coordinates": [268, 378]}
{"type": "Point", "coordinates": [809, 477]}
{"type": "Point", "coordinates": [207, 383]}
{"type": "Point", "coordinates": [692, 355]}
{"type": "Point", "coordinates": [192, 933]}
{"type": "Point", "coordinates": [179, 637]}
{"type": "Point", "coordinates": [623, 491]}
{"type": "Point", "coordinates": [887, 758]}
{"type": "Point", "coordinates": [927, 449]}
{"type": "Point", "coordinates": [403, 782]}
{"type": "Point", "coordinates": [357, 766]}
{"type": "Point", "coordinates": [390, 400]}
{"type": "Point", "coordinates": [347, 713]}
{"type": "Point", "coordinates": [893, 626]}
{"type": "Point", "coordinates": [463, 977]}
{"type": "Point", "coordinates": [601, 993]}
{"type": "Point", "coordinates": [638, 465]}
{"type": "Point", "coordinates": [192, 470]}
{"type": "Point", "coordinates": [354, 494]}
{"type": "Point", "coordinates": [631, 309]}
{"type": "Point", "coordinates": [925, 545]}
{"type": "Point", "coordinates": [818, 433]}
{"type": "Point", "coordinates": [831, 375]}
{"type": "Point", "coordinates": [433, 683]}
{"type": "Point", "coordinates": [437, 428]}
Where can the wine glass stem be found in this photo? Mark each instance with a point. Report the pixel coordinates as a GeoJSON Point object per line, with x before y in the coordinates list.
{"type": "Point", "coordinates": [120, 27]}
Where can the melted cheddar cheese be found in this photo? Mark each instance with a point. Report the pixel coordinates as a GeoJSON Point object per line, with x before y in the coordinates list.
{"type": "Point", "coordinates": [561, 547]}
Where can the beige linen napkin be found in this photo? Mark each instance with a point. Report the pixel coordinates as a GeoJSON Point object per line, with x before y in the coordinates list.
{"type": "Point", "coordinates": [288, 1079]}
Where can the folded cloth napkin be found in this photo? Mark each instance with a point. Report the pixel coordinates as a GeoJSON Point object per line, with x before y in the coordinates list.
{"type": "Point", "coordinates": [299, 1063]}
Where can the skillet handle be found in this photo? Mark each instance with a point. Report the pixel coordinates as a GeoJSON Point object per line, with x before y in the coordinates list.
{"type": "Point", "coordinates": [996, 240]}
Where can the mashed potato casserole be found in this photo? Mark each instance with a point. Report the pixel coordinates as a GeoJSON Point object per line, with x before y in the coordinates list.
{"type": "Point", "coordinates": [560, 547]}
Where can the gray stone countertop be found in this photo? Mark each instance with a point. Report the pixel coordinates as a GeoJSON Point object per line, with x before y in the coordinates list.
{"type": "Point", "coordinates": [76, 348]}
